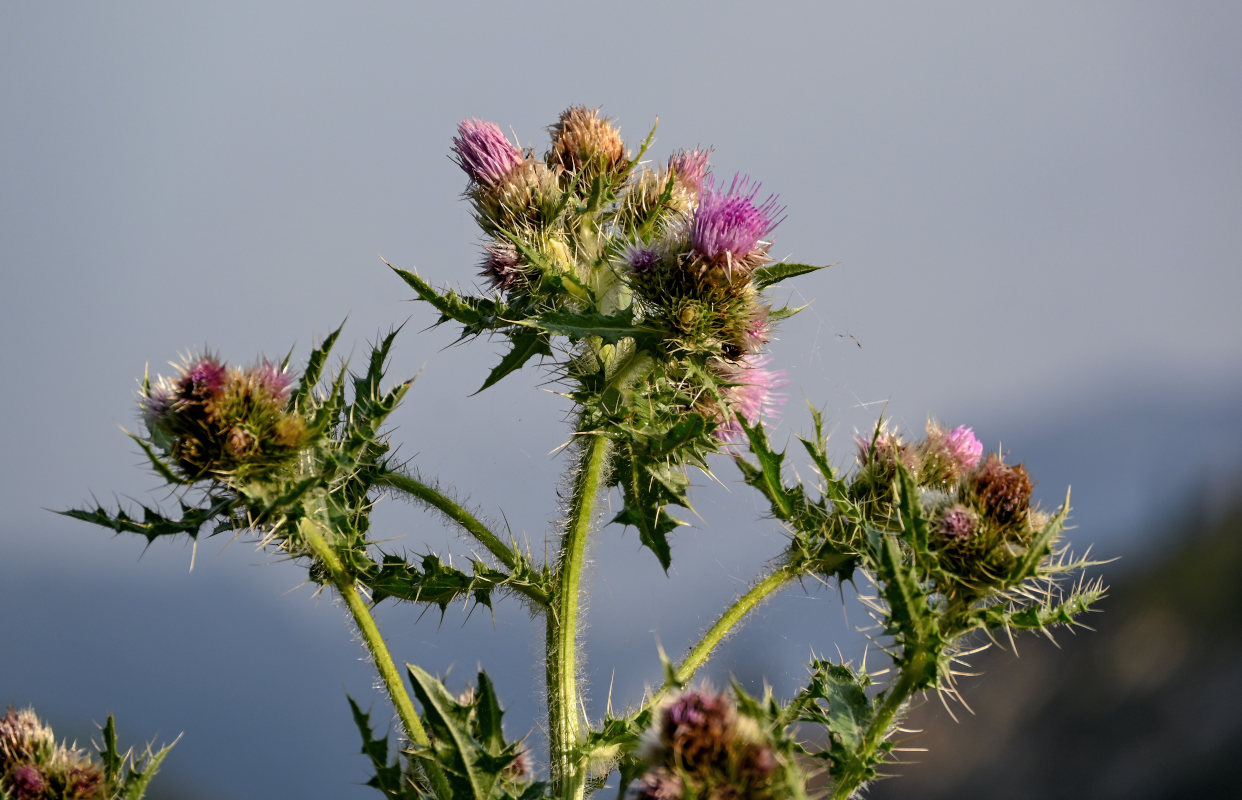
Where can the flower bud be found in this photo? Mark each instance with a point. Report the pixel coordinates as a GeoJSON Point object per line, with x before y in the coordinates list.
{"type": "Point", "coordinates": [583, 142]}
{"type": "Point", "coordinates": [659, 784]}
{"type": "Point", "coordinates": [947, 456]}
{"type": "Point", "coordinates": [23, 737]}
{"type": "Point", "coordinates": [484, 152]}
{"type": "Point", "coordinates": [956, 523]}
{"type": "Point", "coordinates": [27, 782]}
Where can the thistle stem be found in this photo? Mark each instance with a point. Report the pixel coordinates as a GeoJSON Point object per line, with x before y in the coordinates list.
{"type": "Point", "coordinates": [564, 716]}
{"type": "Point", "coordinates": [310, 531]}
{"type": "Point", "coordinates": [451, 509]}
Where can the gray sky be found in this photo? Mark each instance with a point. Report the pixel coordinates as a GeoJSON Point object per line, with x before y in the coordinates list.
{"type": "Point", "coordinates": [1034, 210]}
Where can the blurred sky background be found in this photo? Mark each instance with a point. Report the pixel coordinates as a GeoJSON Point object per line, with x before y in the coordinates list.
{"type": "Point", "coordinates": [1035, 212]}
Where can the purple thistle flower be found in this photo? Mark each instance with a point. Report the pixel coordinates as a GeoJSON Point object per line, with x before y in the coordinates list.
{"type": "Point", "coordinates": [272, 380]}
{"type": "Point", "coordinates": [643, 259]}
{"type": "Point", "coordinates": [958, 523]}
{"type": "Point", "coordinates": [484, 152]}
{"type": "Point", "coordinates": [27, 782]}
{"type": "Point", "coordinates": [728, 224]}
{"type": "Point", "coordinates": [659, 784]}
{"type": "Point", "coordinates": [962, 445]}
{"type": "Point", "coordinates": [752, 395]}
{"type": "Point", "coordinates": [202, 379]}
{"type": "Point", "coordinates": [881, 445]}
{"type": "Point", "coordinates": [690, 166]}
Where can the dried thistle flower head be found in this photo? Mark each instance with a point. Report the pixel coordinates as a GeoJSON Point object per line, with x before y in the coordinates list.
{"type": "Point", "coordinates": [1003, 491]}
{"type": "Point", "coordinates": [584, 141]}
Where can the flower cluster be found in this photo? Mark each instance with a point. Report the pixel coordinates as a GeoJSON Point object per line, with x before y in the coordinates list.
{"type": "Point", "coordinates": [701, 746]}
{"type": "Point", "coordinates": [221, 422]}
{"type": "Point", "coordinates": [34, 767]}
{"type": "Point", "coordinates": [588, 228]}
{"type": "Point", "coordinates": [980, 508]}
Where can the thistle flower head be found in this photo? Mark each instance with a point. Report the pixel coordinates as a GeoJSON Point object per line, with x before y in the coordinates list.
{"type": "Point", "coordinates": [271, 380]}
{"type": "Point", "coordinates": [643, 259]}
{"type": "Point", "coordinates": [214, 420]}
{"type": "Point", "coordinates": [690, 166]}
{"type": "Point", "coordinates": [882, 445]}
{"type": "Point", "coordinates": [957, 523]}
{"type": "Point", "coordinates": [201, 378]}
{"type": "Point", "coordinates": [484, 152]}
{"type": "Point", "coordinates": [751, 395]}
{"type": "Point", "coordinates": [697, 726]}
{"type": "Point", "coordinates": [728, 228]}
{"type": "Point", "coordinates": [27, 782]}
{"type": "Point", "coordinates": [659, 784]}
{"type": "Point", "coordinates": [502, 265]}
{"type": "Point", "coordinates": [23, 737]}
{"type": "Point", "coordinates": [584, 140]}
{"type": "Point", "coordinates": [965, 449]}
{"type": "Point", "coordinates": [1004, 491]}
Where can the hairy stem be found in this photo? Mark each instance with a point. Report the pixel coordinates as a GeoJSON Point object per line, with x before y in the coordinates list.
{"type": "Point", "coordinates": [451, 509]}
{"type": "Point", "coordinates": [314, 538]}
{"type": "Point", "coordinates": [564, 715]}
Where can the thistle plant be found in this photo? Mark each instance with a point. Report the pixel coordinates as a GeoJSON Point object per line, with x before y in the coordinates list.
{"type": "Point", "coordinates": [645, 293]}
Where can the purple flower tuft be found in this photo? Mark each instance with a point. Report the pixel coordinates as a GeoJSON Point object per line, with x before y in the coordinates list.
{"type": "Point", "coordinates": [659, 784]}
{"type": "Point", "coordinates": [484, 152]}
{"type": "Point", "coordinates": [752, 395]}
{"type": "Point", "coordinates": [202, 379]}
{"type": "Point", "coordinates": [690, 166]}
{"type": "Point", "coordinates": [272, 380]}
{"type": "Point", "coordinates": [642, 259]}
{"type": "Point", "coordinates": [728, 224]}
{"type": "Point", "coordinates": [502, 265]}
{"type": "Point", "coordinates": [27, 782]}
{"type": "Point", "coordinates": [962, 445]}
{"type": "Point", "coordinates": [958, 523]}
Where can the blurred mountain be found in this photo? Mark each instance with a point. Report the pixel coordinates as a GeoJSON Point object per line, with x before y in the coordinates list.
{"type": "Point", "coordinates": [1147, 707]}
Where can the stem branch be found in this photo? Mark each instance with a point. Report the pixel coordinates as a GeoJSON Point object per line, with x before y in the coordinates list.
{"type": "Point", "coordinates": [310, 531]}
{"type": "Point", "coordinates": [564, 715]}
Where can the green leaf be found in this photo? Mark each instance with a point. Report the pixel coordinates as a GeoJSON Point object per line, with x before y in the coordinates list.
{"type": "Point", "coordinates": [154, 523]}
{"type": "Point", "coordinates": [611, 328]}
{"type": "Point", "coordinates": [314, 367]}
{"type": "Point", "coordinates": [1041, 546]}
{"type": "Point", "coordinates": [387, 778]}
{"type": "Point", "coordinates": [836, 697]}
{"type": "Point", "coordinates": [476, 313]}
{"type": "Point", "coordinates": [467, 740]}
{"type": "Point", "coordinates": [767, 478]}
{"type": "Point", "coordinates": [526, 345]}
{"type": "Point", "coordinates": [775, 273]}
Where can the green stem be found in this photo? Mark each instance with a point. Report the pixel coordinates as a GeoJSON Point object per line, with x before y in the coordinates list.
{"type": "Point", "coordinates": [732, 615]}
{"type": "Point", "coordinates": [564, 715]}
{"type": "Point", "coordinates": [451, 509]}
{"type": "Point", "coordinates": [310, 531]}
